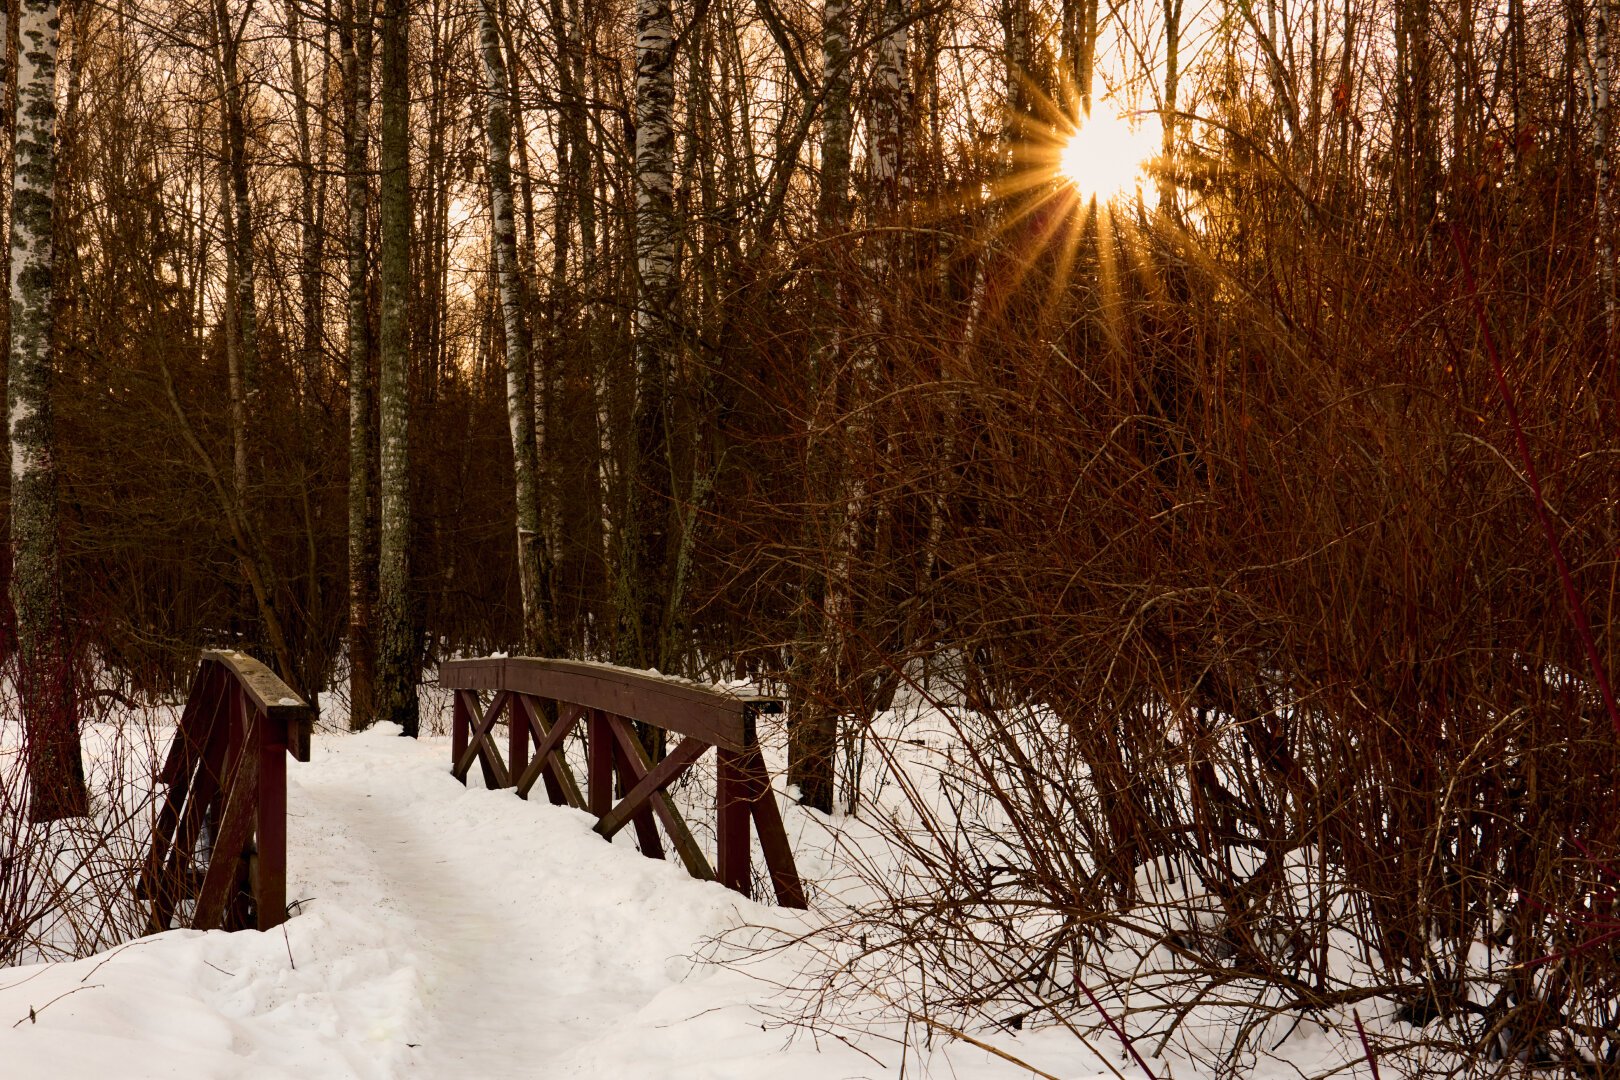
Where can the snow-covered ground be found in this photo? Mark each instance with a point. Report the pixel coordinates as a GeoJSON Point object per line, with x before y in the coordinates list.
{"type": "Point", "coordinates": [459, 933]}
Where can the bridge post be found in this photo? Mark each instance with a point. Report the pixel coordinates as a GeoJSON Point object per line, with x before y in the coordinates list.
{"type": "Point", "coordinates": [598, 763]}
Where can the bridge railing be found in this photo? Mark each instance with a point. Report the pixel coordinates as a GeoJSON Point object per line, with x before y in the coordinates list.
{"type": "Point", "coordinates": [220, 837]}
{"type": "Point", "coordinates": [546, 700]}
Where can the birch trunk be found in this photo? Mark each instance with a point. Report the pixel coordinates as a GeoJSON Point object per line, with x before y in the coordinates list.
{"type": "Point", "coordinates": [832, 207]}
{"type": "Point", "coordinates": [641, 582]}
{"type": "Point", "coordinates": [854, 514]}
{"type": "Point", "coordinates": [1172, 89]}
{"type": "Point", "coordinates": [813, 720]}
{"type": "Point", "coordinates": [1078, 35]}
{"type": "Point", "coordinates": [355, 41]}
{"type": "Point", "coordinates": [309, 239]}
{"type": "Point", "coordinates": [519, 394]}
{"type": "Point", "coordinates": [244, 381]}
{"type": "Point", "coordinates": [45, 675]}
{"type": "Point", "coordinates": [396, 653]}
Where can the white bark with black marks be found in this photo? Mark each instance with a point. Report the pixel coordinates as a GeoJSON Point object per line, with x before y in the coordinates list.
{"type": "Point", "coordinates": [397, 672]}
{"type": "Point", "coordinates": [642, 588]}
{"type": "Point", "coordinates": [45, 676]}
{"type": "Point", "coordinates": [355, 37]}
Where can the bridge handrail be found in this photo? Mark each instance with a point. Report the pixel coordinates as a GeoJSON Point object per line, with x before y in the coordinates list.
{"type": "Point", "coordinates": [226, 770]}
{"type": "Point", "coordinates": [545, 701]}
{"type": "Point", "coordinates": [714, 714]}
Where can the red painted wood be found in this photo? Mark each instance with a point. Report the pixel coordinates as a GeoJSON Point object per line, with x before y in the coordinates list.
{"type": "Point", "coordinates": [631, 769]}
{"type": "Point", "coordinates": [460, 729]}
{"type": "Point", "coordinates": [548, 760]}
{"type": "Point", "coordinates": [481, 746]}
{"type": "Point", "coordinates": [270, 840]}
{"type": "Point", "coordinates": [685, 708]}
{"type": "Point", "coordinates": [186, 748]}
{"type": "Point", "coordinates": [204, 791]}
{"type": "Point", "coordinates": [733, 844]}
{"type": "Point", "coordinates": [599, 755]}
{"type": "Point", "coordinates": [228, 766]}
{"type": "Point", "coordinates": [238, 801]}
{"type": "Point", "coordinates": [657, 779]}
{"type": "Point", "coordinates": [609, 697]}
{"type": "Point", "coordinates": [518, 733]}
{"type": "Point", "coordinates": [773, 839]}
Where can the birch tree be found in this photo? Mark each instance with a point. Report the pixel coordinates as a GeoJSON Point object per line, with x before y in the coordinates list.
{"type": "Point", "coordinates": [355, 38]}
{"type": "Point", "coordinates": [45, 675]}
{"type": "Point", "coordinates": [531, 554]}
{"type": "Point", "coordinates": [396, 653]}
{"type": "Point", "coordinates": [242, 347]}
{"type": "Point", "coordinates": [853, 511]}
{"type": "Point", "coordinates": [813, 723]}
{"type": "Point", "coordinates": [641, 585]}
{"type": "Point", "coordinates": [1599, 79]}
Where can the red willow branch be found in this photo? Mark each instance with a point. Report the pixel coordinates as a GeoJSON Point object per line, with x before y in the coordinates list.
{"type": "Point", "coordinates": [1577, 609]}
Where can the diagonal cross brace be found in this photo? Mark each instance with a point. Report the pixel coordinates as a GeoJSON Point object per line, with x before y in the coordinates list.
{"type": "Point", "coordinates": [639, 765]}
{"type": "Point", "coordinates": [481, 747]}
{"type": "Point", "coordinates": [661, 776]}
{"type": "Point", "coordinates": [548, 754]}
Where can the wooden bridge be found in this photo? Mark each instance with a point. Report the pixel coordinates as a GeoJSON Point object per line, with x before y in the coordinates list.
{"type": "Point", "coordinates": [220, 838]}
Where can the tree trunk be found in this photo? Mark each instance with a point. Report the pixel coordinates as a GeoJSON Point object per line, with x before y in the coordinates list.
{"type": "Point", "coordinates": [355, 41]}
{"type": "Point", "coordinates": [642, 580]}
{"type": "Point", "coordinates": [1078, 35]}
{"type": "Point", "coordinates": [245, 380]}
{"type": "Point", "coordinates": [1172, 85]}
{"type": "Point", "coordinates": [813, 717]}
{"type": "Point", "coordinates": [309, 238]}
{"type": "Point", "coordinates": [45, 669]}
{"type": "Point", "coordinates": [532, 573]}
{"type": "Point", "coordinates": [397, 669]}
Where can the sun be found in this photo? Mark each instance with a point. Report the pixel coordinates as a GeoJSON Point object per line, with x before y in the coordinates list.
{"type": "Point", "coordinates": [1105, 155]}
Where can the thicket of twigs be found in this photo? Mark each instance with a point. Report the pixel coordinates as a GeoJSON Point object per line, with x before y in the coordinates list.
{"type": "Point", "coordinates": [1270, 702]}
{"type": "Point", "coordinates": [67, 887]}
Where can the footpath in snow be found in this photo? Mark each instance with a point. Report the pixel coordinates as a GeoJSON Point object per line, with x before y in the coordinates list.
{"type": "Point", "coordinates": [448, 933]}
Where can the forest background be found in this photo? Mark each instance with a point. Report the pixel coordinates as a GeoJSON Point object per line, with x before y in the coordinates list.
{"type": "Point", "coordinates": [767, 337]}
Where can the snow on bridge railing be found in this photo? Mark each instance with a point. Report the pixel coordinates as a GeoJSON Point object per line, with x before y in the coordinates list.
{"type": "Point", "coordinates": [545, 700]}
{"type": "Point", "coordinates": [220, 837]}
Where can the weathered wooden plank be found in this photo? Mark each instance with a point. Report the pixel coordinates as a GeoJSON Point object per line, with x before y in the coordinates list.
{"type": "Point", "coordinates": [272, 696]}
{"type": "Point", "coordinates": [203, 792]}
{"type": "Point", "coordinates": [517, 738]}
{"type": "Point", "coordinates": [745, 801]}
{"type": "Point", "coordinates": [656, 779]}
{"type": "Point", "coordinates": [463, 707]}
{"type": "Point", "coordinates": [648, 842]}
{"type": "Point", "coordinates": [549, 760]}
{"type": "Point", "coordinates": [773, 839]}
{"type": "Point", "coordinates": [713, 715]}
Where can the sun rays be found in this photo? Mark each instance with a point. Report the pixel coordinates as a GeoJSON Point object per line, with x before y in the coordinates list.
{"type": "Point", "coordinates": [1106, 155]}
{"type": "Point", "coordinates": [1070, 205]}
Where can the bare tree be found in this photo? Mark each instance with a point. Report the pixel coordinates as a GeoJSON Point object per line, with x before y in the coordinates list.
{"type": "Point", "coordinates": [397, 668]}
{"type": "Point", "coordinates": [533, 574]}
{"type": "Point", "coordinates": [355, 37]}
